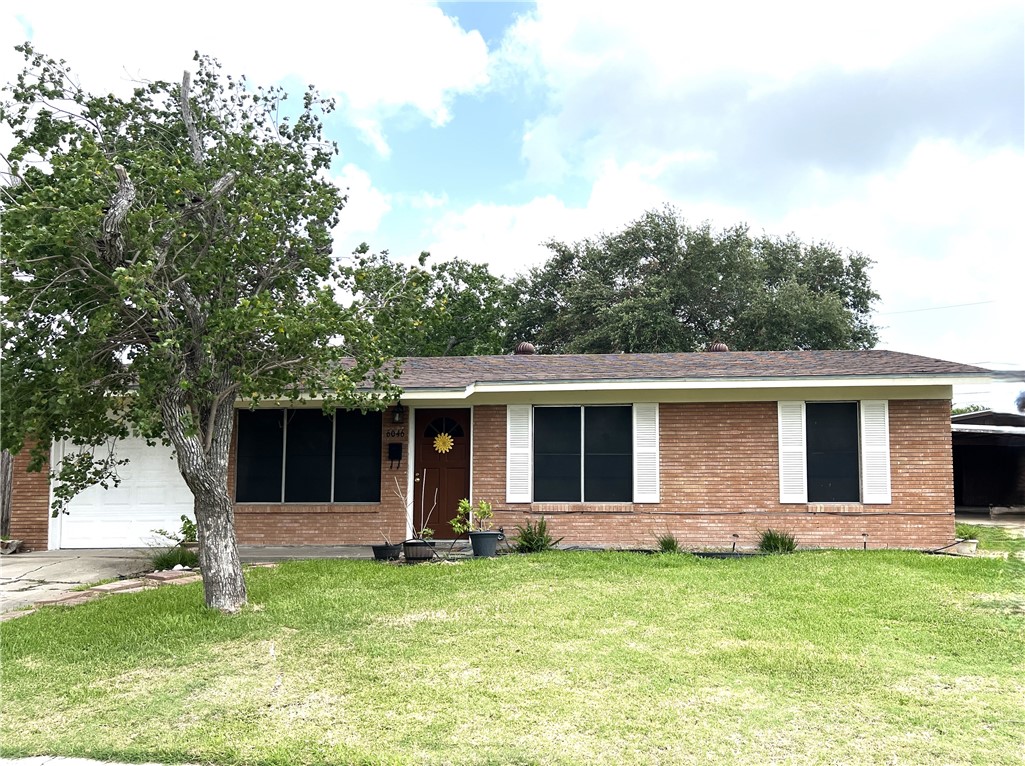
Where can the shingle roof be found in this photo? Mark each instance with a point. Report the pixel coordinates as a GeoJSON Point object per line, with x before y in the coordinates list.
{"type": "Point", "coordinates": [462, 371]}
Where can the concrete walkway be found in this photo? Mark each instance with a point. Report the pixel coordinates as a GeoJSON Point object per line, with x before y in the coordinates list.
{"type": "Point", "coordinates": [56, 760]}
{"type": "Point", "coordinates": [27, 578]}
{"type": "Point", "coordinates": [1014, 522]}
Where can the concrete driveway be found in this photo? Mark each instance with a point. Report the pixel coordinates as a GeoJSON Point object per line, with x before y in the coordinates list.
{"type": "Point", "coordinates": [28, 577]}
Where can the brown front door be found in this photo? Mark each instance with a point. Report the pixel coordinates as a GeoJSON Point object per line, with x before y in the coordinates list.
{"type": "Point", "coordinates": [442, 468]}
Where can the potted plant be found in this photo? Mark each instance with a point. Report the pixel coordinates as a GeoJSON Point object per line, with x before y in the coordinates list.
{"type": "Point", "coordinates": [420, 547]}
{"type": "Point", "coordinates": [186, 537]}
{"type": "Point", "coordinates": [388, 551]}
{"type": "Point", "coordinates": [189, 534]}
{"type": "Point", "coordinates": [476, 521]}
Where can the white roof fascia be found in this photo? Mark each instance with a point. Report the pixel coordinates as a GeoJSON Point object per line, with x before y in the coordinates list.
{"type": "Point", "coordinates": [976, 429]}
{"type": "Point", "coordinates": [413, 394]}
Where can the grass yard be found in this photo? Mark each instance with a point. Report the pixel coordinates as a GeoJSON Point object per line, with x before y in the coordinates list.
{"type": "Point", "coordinates": [991, 538]}
{"type": "Point", "coordinates": [562, 658]}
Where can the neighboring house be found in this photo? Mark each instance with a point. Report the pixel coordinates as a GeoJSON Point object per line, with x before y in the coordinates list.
{"type": "Point", "coordinates": [841, 448]}
{"type": "Point", "coordinates": [989, 461]}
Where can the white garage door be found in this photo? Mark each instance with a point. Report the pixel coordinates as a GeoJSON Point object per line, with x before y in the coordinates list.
{"type": "Point", "coordinates": [152, 495]}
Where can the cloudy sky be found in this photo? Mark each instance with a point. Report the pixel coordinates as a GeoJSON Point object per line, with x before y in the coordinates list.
{"type": "Point", "coordinates": [480, 130]}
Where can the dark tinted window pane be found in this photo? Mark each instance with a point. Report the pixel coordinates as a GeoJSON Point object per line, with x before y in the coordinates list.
{"type": "Point", "coordinates": [357, 457]}
{"type": "Point", "coordinates": [308, 457]}
{"type": "Point", "coordinates": [557, 454]}
{"type": "Point", "coordinates": [608, 454]}
{"type": "Point", "coordinates": [833, 473]}
{"type": "Point", "coordinates": [258, 456]}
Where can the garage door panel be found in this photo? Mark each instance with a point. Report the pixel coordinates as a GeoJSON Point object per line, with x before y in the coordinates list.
{"type": "Point", "coordinates": [152, 495]}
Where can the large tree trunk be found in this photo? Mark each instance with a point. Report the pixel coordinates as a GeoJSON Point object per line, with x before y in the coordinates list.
{"type": "Point", "coordinates": [6, 480]}
{"type": "Point", "coordinates": [204, 466]}
{"type": "Point", "coordinates": [223, 584]}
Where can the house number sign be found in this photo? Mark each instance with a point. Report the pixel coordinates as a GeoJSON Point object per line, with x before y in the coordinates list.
{"type": "Point", "coordinates": [395, 433]}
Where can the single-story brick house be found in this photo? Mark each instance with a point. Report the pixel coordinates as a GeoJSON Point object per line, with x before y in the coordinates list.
{"type": "Point", "coordinates": [842, 448]}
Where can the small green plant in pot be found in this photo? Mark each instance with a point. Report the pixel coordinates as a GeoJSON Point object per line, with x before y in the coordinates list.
{"type": "Point", "coordinates": [186, 537]}
{"type": "Point", "coordinates": [475, 520]}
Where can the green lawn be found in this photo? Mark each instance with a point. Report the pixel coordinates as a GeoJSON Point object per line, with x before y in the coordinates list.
{"type": "Point", "coordinates": [992, 538]}
{"type": "Point", "coordinates": [825, 657]}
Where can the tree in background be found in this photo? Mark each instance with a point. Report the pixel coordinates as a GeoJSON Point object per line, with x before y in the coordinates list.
{"type": "Point", "coordinates": [663, 285]}
{"type": "Point", "coordinates": [967, 408]}
{"type": "Point", "coordinates": [164, 255]}
{"type": "Point", "coordinates": [451, 308]}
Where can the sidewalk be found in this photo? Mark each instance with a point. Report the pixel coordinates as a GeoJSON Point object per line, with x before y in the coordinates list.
{"type": "Point", "coordinates": [30, 578]}
{"type": "Point", "coordinates": [56, 760]}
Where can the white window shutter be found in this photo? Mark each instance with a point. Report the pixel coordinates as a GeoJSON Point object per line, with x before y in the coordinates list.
{"type": "Point", "coordinates": [645, 437]}
{"type": "Point", "coordinates": [875, 451]}
{"type": "Point", "coordinates": [518, 458]}
{"type": "Point", "coordinates": [793, 458]}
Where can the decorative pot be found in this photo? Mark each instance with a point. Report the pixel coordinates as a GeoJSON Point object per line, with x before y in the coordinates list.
{"type": "Point", "coordinates": [485, 544]}
{"type": "Point", "coordinates": [387, 552]}
{"type": "Point", "coordinates": [190, 545]}
{"type": "Point", "coordinates": [418, 550]}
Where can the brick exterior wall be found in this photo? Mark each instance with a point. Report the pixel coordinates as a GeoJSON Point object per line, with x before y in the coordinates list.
{"type": "Point", "coordinates": [30, 502]}
{"type": "Point", "coordinates": [720, 478]}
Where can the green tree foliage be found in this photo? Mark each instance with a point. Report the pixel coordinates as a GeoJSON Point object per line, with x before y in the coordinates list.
{"type": "Point", "coordinates": [663, 285]}
{"type": "Point", "coordinates": [164, 254]}
{"type": "Point", "coordinates": [967, 409]}
{"type": "Point", "coordinates": [451, 308]}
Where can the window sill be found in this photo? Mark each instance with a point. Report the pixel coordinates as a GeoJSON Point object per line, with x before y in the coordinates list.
{"type": "Point", "coordinates": [855, 507]}
{"type": "Point", "coordinates": [307, 507]}
{"type": "Point", "coordinates": [554, 508]}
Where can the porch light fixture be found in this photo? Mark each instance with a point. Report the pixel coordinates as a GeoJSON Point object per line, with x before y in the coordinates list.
{"type": "Point", "coordinates": [398, 415]}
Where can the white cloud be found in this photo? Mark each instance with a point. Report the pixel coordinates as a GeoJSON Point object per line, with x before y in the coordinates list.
{"type": "Point", "coordinates": [428, 201]}
{"type": "Point", "coordinates": [681, 44]}
{"type": "Point", "coordinates": [364, 210]}
{"type": "Point", "coordinates": [943, 227]}
{"type": "Point", "coordinates": [510, 237]}
{"type": "Point", "coordinates": [632, 82]}
{"type": "Point", "coordinates": [377, 57]}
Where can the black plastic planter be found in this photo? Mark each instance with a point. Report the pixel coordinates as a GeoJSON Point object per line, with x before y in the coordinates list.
{"type": "Point", "coordinates": [485, 544]}
{"type": "Point", "coordinates": [418, 550]}
{"type": "Point", "coordinates": [387, 552]}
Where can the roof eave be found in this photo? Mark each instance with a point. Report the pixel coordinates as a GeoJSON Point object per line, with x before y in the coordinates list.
{"type": "Point", "coordinates": [677, 384]}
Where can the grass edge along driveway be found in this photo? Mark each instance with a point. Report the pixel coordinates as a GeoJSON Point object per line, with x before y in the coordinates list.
{"type": "Point", "coordinates": [607, 658]}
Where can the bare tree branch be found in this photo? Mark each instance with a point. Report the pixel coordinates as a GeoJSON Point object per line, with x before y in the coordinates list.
{"type": "Point", "coordinates": [190, 124]}
{"type": "Point", "coordinates": [113, 242]}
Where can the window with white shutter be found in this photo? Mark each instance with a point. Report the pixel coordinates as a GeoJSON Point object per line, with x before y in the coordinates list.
{"type": "Point", "coordinates": [875, 452]}
{"type": "Point", "coordinates": [591, 454]}
{"type": "Point", "coordinates": [793, 476]}
{"type": "Point", "coordinates": [518, 455]}
{"type": "Point", "coordinates": [834, 452]}
{"type": "Point", "coordinates": [645, 449]}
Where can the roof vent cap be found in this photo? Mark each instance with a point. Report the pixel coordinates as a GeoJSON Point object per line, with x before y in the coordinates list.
{"type": "Point", "coordinates": [718, 346]}
{"type": "Point", "coordinates": [523, 348]}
